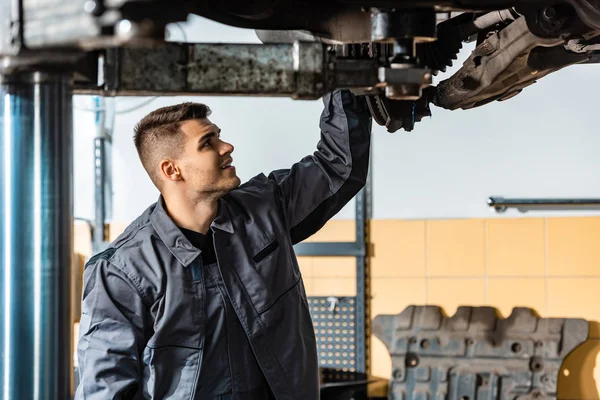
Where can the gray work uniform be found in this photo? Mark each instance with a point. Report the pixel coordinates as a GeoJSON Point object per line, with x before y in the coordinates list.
{"type": "Point", "coordinates": [143, 327]}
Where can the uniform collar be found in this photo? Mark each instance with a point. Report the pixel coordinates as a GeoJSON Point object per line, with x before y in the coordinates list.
{"type": "Point", "coordinates": [175, 240]}
{"type": "Point", "coordinates": [223, 219]}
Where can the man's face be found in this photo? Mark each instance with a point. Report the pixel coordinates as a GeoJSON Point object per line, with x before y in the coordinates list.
{"type": "Point", "coordinates": [206, 163]}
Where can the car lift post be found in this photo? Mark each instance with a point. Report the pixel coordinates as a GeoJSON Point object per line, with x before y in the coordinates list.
{"type": "Point", "coordinates": [36, 235]}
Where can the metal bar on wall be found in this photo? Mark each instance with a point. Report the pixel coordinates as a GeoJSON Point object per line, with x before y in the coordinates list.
{"type": "Point", "coordinates": [501, 204]}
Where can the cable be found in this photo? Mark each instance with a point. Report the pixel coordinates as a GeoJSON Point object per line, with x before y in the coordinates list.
{"type": "Point", "coordinates": [125, 111]}
{"type": "Point", "coordinates": [137, 106]}
{"type": "Point", "coordinates": [89, 223]}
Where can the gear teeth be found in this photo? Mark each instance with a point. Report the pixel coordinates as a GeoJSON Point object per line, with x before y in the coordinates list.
{"type": "Point", "coordinates": [377, 110]}
{"type": "Point", "coordinates": [439, 55]}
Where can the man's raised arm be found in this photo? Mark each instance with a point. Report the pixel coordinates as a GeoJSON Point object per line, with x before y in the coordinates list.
{"type": "Point", "coordinates": [316, 188]}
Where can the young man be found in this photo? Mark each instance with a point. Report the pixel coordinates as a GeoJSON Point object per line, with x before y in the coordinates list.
{"type": "Point", "coordinates": [201, 297]}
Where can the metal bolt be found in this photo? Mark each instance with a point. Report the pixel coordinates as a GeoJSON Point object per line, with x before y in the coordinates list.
{"type": "Point", "coordinates": [536, 365]}
{"type": "Point", "coordinates": [412, 360]}
{"type": "Point", "coordinates": [550, 13]}
{"type": "Point", "coordinates": [516, 347]}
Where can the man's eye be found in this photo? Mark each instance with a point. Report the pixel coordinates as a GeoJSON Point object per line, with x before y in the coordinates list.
{"type": "Point", "coordinates": [206, 144]}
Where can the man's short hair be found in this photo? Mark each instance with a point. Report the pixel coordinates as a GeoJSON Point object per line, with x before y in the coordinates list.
{"type": "Point", "coordinates": [158, 134]}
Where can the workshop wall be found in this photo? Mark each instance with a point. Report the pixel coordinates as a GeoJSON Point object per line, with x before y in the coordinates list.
{"type": "Point", "coordinates": [548, 264]}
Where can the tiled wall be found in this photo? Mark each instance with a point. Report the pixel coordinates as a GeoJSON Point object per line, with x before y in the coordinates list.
{"type": "Point", "coordinates": [551, 265]}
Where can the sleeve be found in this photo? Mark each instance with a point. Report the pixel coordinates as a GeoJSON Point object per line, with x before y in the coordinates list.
{"type": "Point", "coordinates": [112, 335]}
{"type": "Point", "coordinates": [317, 187]}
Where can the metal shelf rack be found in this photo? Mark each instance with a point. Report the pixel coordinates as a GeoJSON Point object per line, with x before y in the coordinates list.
{"type": "Point", "coordinates": [354, 311]}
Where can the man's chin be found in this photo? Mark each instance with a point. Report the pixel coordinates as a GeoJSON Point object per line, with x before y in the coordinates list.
{"type": "Point", "coordinates": [234, 184]}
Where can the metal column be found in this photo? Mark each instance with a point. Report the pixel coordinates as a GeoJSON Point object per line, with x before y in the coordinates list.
{"type": "Point", "coordinates": [36, 217]}
{"type": "Point", "coordinates": [102, 174]}
{"type": "Point", "coordinates": [363, 284]}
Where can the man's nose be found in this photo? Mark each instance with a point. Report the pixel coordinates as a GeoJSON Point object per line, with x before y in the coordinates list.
{"type": "Point", "coordinates": [226, 148]}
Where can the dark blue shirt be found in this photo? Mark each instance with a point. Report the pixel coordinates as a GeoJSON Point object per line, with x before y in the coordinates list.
{"type": "Point", "coordinates": [229, 368]}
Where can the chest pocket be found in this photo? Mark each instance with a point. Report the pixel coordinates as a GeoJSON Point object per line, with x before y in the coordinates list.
{"type": "Point", "coordinates": [266, 252]}
{"type": "Point", "coordinates": [276, 273]}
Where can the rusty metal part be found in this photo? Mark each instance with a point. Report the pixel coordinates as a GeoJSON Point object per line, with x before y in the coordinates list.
{"type": "Point", "coordinates": [148, 70]}
{"type": "Point", "coordinates": [295, 70]}
{"type": "Point", "coordinates": [497, 69]}
{"type": "Point", "coordinates": [299, 70]}
{"type": "Point", "coordinates": [476, 354]}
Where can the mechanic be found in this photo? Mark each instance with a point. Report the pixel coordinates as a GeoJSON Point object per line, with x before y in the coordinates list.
{"type": "Point", "coordinates": [201, 297]}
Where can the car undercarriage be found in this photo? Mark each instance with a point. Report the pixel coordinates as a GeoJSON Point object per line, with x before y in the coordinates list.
{"type": "Point", "coordinates": [389, 51]}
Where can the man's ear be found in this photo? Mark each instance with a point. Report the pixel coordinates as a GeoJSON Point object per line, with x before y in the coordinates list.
{"type": "Point", "coordinates": [169, 170]}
